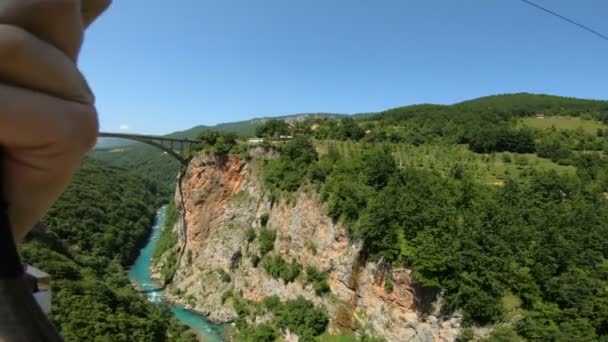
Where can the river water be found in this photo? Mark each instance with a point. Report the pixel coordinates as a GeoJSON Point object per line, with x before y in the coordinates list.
{"type": "Point", "coordinates": [140, 275]}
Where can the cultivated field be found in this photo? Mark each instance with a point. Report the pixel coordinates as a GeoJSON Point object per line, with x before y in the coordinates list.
{"type": "Point", "coordinates": [488, 168]}
{"type": "Point", "coordinates": [564, 122]}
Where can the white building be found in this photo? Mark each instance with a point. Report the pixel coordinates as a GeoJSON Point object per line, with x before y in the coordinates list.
{"type": "Point", "coordinates": [255, 140]}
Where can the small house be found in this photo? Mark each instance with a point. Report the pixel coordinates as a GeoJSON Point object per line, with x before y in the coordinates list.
{"type": "Point", "coordinates": [540, 115]}
{"type": "Point", "coordinates": [314, 127]}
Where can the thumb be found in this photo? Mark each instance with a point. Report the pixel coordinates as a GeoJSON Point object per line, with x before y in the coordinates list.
{"type": "Point", "coordinates": [92, 9]}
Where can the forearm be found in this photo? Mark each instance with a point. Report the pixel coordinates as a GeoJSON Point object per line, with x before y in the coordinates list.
{"type": "Point", "coordinates": [29, 62]}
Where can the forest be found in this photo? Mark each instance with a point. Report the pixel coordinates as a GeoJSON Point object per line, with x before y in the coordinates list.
{"type": "Point", "coordinates": [89, 238]}
{"type": "Point", "coordinates": [528, 254]}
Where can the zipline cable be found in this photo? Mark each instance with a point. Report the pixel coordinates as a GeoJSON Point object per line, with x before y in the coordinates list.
{"type": "Point", "coordinates": [584, 27]}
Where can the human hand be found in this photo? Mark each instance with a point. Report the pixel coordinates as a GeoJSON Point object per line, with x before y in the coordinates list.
{"type": "Point", "coordinates": [47, 118]}
{"type": "Point", "coordinates": [60, 23]}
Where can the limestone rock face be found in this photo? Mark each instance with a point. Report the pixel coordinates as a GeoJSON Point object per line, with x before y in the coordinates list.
{"type": "Point", "coordinates": [222, 199]}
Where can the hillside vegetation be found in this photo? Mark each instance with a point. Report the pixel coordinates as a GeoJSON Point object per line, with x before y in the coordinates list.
{"type": "Point", "coordinates": [416, 185]}
{"type": "Point", "coordinates": [142, 160]}
{"type": "Point", "coordinates": [565, 122]}
{"type": "Point", "coordinates": [92, 234]}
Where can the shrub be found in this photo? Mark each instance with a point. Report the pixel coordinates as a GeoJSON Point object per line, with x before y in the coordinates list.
{"type": "Point", "coordinates": [502, 334]}
{"type": "Point", "coordinates": [279, 268]}
{"type": "Point", "coordinates": [317, 279]}
{"type": "Point", "coordinates": [388, 283]}
{"type": "Point", "coordinates": [167, 239]}
{"type": "Point", "coordinates": [466, 335]}
{"type": "Point", "coordinates": [255, 260]}
{"type": "Point", "coordinates": [258, 333]}
{"type": "Point", "coordinates": [267, 237]}
{"type": "Point", "coordinates": [302, 317]}
{"type": "Point", "coordinates": [225, 276]}
{"type": "Point", "coordinates": [264, 219]}
{"type": "Point", "coordinates": [226, 295]}
{"type": "Point", "coordinates": [250, 234]}
{"type": "Point", "coordinates": [291, 169]}
{"type": "Point", "coordinates": [500, 139]}
{"type": "Point", "coordinates": [219, 143]}
{"type": "Point", "coordinates": [272, 302]}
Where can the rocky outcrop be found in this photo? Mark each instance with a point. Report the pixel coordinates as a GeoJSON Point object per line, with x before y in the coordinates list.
{"type": "Point", "coordinates": [222, 199]}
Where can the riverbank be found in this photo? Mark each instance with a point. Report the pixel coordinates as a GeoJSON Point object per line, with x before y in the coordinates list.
{"type": "Point", "coordinates": [139, 274]}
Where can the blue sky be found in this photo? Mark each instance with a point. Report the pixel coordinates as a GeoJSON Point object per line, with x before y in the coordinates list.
{"type": "Point", "coordinates": [161, 66]}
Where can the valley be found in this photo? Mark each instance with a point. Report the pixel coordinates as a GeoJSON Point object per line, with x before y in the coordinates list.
{"type": "Point", "coordinates": [467, 222]}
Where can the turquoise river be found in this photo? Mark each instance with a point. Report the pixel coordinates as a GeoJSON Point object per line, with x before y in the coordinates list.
{"type": "Point", "coordinates": [140, 275]}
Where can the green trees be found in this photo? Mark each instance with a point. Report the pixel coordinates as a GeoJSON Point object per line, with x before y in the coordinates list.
{"type": "Point", "coordinates": [501, 139]}
{"type": "Point", "coordinates": [290, 170]}
{"type": "Point", "coordinates": [93, 233]}
{"type": "Point", "coordinates": [272, 128]}
{"type": "Point", "coordinates": [348, 130]}
{"type": "Point", "coordinates": [266, 240]}
{"type": "Point", "coordinates": [279, 268]}
{"type": "Point", "coordinates": [541, 236]}
{"type": "Point", "coordinates": [167, 238]}
{"type": "Point", "coordinates": [264, 219]}
{"type": "Point", "coordinates": [502, 334]}
{"type": "Point", "coordinates": [250, 234]}
{"type": "Point", "coordinates": [301, 317]}
{"type": "Point", "coordinates": [218, 143]}
{"type": "Point", "coordinates": [317, 279]}
{"type": "Point", "coordinates": [258, 333]}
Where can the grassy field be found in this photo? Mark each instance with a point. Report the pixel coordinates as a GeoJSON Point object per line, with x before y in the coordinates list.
{"type": "Point", "coordinates": [564, 122]}
{"type": "Point", "coordinates": [488, 168]}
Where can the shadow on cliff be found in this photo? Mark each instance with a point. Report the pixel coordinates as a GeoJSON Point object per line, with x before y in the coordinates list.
{"type": "Point", "coordinates": [184, 232]}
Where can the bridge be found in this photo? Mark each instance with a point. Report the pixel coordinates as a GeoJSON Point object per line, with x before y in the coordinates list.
{"type": "Point", "coordinates": [175, 147]}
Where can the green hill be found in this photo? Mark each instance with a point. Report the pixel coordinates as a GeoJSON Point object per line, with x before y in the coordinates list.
{"type": "Point", "coordinates": [247, 127]}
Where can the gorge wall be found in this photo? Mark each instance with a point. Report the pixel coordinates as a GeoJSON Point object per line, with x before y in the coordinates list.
{"type": "Point", "coordinates": [221, 199]}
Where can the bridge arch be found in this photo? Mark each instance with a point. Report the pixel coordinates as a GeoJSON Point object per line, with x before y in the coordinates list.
{"type": "Point", "coordinates": [162, 143]}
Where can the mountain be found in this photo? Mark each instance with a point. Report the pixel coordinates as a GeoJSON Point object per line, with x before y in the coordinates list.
{"type": "Point", "coordinates": [242, 128]}
{"type": "Point", "coordinates": [521, 103]}
{"type": "Point", "coordinates": [111, 143]}
{"type": "Point", "coordinates": [247, 127]}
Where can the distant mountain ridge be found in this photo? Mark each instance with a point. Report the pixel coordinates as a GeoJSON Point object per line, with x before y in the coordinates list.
{"type": "Point", "coordinates": [515, 102]}
{"type": "Point", "coordinates": [242, 128]}
{"type": "Point", "coordinates": [247, 127]}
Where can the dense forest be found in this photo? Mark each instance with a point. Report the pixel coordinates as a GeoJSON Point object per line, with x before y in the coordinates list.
{"type": "Point", "coordinates": [528, 252]}
{"type": "Point", "coordinates": [86, 242]}
{"type": "Point", "coordinates": [147, 161]}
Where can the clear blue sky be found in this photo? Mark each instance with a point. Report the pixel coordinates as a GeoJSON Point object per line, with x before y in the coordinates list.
{"type": "Point", "coordinates": [160, 66]}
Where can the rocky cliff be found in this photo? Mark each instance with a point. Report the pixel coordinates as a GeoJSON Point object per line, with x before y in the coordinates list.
{"type": "Point", "coordinates": [222, 199]}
